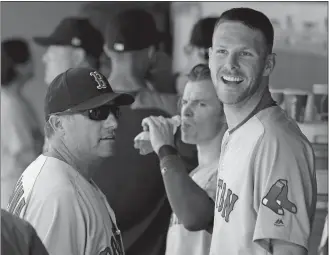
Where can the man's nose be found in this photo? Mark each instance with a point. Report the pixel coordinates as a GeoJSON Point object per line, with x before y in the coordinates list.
{"type": "Point", "coordinates": [187, 110]}
{"type": "Point", "coordinates": [111, 121]}
{"type": "Point", "coordinates": [232, 62]}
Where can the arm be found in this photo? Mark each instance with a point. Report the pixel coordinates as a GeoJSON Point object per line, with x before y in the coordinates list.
{"type": "Point", "coordinates": [189, 201]}
{"type": "Point", "coordinates": [285, 248]}
{"type": "Point", "coordinates": [284, 194]}
{"type": "Point", "coordinates": [191, 204]}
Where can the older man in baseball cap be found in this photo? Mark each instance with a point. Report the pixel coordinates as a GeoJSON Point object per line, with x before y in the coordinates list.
{"type": "Point", "coordinates": [56, 193]}
{"type": "Point", "coordinates": [75, 42]}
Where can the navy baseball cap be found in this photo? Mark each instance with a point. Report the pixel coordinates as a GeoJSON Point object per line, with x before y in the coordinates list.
{"type": "Point", "coordinates": [80, 89]}
{"type": "Point", "coordinates": [75, 32]}
{"type": "Point", "coordinates": [202, 32]}
{"type": "Point", "coordinates": [132, 29]}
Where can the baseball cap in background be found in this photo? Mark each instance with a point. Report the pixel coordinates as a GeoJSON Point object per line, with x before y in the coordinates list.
{"type": "Point", "coordinates": [79, 89]}
{"type": "Point", "coordinates": [17, 49]}
{"type": "Point", "coordinates": [76, 32]}
{"type": "Point", "coordinates": [202, 32]}
{"type": "Point", "coordinates": [132, 29]}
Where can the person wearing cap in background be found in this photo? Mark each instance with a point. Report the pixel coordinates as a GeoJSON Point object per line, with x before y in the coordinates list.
{"type": "Point", "coordinates": [197, 49]}
{"type": "Point", "coordinates": [75, 42]}
{"type": "Point", "coordinates": [21, 135]}
{"type": "Point", "coordinates": [131, 41]}
{"type": "Point", "coordinates": [56, 194]}
{"type": "Point", "coordinates": [135, 189]}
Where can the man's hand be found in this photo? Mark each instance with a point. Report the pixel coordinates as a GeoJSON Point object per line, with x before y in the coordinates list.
{"type": "Point", "coordinates": [161, 131]}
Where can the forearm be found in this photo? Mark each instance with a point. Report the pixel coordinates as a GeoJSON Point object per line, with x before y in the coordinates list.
{"type": "Point", "coordinates": [190, 203]}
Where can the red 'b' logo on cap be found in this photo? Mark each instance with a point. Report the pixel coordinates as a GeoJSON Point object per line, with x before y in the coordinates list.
{"type": "Point", "coordinates": [99, 79]}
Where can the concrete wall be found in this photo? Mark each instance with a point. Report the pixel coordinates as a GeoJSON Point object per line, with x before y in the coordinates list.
{"type": "Point", "coordinates": [28, 19]}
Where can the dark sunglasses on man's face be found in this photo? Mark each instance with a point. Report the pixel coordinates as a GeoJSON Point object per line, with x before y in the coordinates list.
{"type": "Point", "coordinates": [102, 112]}
{"type": "Point", "coordinates": [97, 114]}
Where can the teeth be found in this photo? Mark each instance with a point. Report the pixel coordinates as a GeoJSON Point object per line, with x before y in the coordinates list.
{"type": "Point", "coordinates": [106, 138]}
{"type": "Point", "coordinates": [232, 78]}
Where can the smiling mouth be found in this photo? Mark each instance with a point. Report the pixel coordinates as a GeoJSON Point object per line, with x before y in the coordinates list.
{"type": "Point", "coordinates": [112, 137]}
{"type": "Point", "coordinates": [228, 79]}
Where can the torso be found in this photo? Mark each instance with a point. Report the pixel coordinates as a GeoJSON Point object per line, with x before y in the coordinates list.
{"type": "Point", "coordinates": [243, 225]}
{"type": "Point", "coordinates": [97, 217]}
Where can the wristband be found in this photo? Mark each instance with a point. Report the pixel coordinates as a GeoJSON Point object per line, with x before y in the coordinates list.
{"type": "Point", "coordinates": [166, 150]}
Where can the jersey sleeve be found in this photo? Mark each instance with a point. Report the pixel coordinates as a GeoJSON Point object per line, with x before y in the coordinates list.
{"type": "Point", "coordinates": [59, 223]}
{"type": "Point", "coordinates": [284, 190]}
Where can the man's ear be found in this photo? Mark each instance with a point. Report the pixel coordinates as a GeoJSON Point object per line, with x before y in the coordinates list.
{"type": "Point", "coordinates": [78, 56]}
{"type": "Point", "coordinates": [56, 123]}
{"type": "Point", "coordinates": [269, 64]}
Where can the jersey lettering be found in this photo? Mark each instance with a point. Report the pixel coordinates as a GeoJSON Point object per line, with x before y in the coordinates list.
{"type": "Point", "coordinates": [114, 250]}
{"type": "Point", "coordinates": [225, 201]}
{"type": "Point", "coordinates": [17, 200]}
{"type": "Point", "coordinates": [99, 79]}
{"type": "Point", "coordinates": [106, 251]}
{"type": "Point", "coordinates": [116, 247]}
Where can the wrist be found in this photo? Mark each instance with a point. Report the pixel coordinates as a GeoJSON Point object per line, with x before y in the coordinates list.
{"type": "Point", "coordinates": [166, 150]}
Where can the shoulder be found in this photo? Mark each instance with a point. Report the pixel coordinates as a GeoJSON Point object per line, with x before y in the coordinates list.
{"type": "Point", "coordinates": [281, 131]}
{"type": "Point", "coordinates": [55, 181]}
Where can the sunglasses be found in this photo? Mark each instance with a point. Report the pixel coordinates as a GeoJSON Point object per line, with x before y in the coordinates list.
{"type": "Point", "coordinates": [102, 112]}
{"type": "Point", "coordinates": [97, 114]}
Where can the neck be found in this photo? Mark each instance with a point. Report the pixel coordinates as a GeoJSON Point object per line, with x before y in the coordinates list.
{"type": "Point", "coordinates": [82, 164]}
{"type": "Point", "coordinates": [236, 113]}
{"type": "Point", "coordinates": [209, 152]}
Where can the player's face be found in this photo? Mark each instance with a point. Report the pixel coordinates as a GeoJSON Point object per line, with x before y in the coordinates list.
{"type": "Point", "coordinates": [201, 113]}
{"type": "Point", "coordinates": [237, 61]}
{"type": "Point", "coordinates": [57, 60]}
{"type": "Point", "coordinates": [91, 138]}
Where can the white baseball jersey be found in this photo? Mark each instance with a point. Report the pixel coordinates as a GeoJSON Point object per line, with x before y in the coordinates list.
{"type": "Point", "coordinates": [181, 241]}
{"type": "Point", "coordinates": [266, 187]}
{"type": "Point", "coordinates": [70, 214]}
